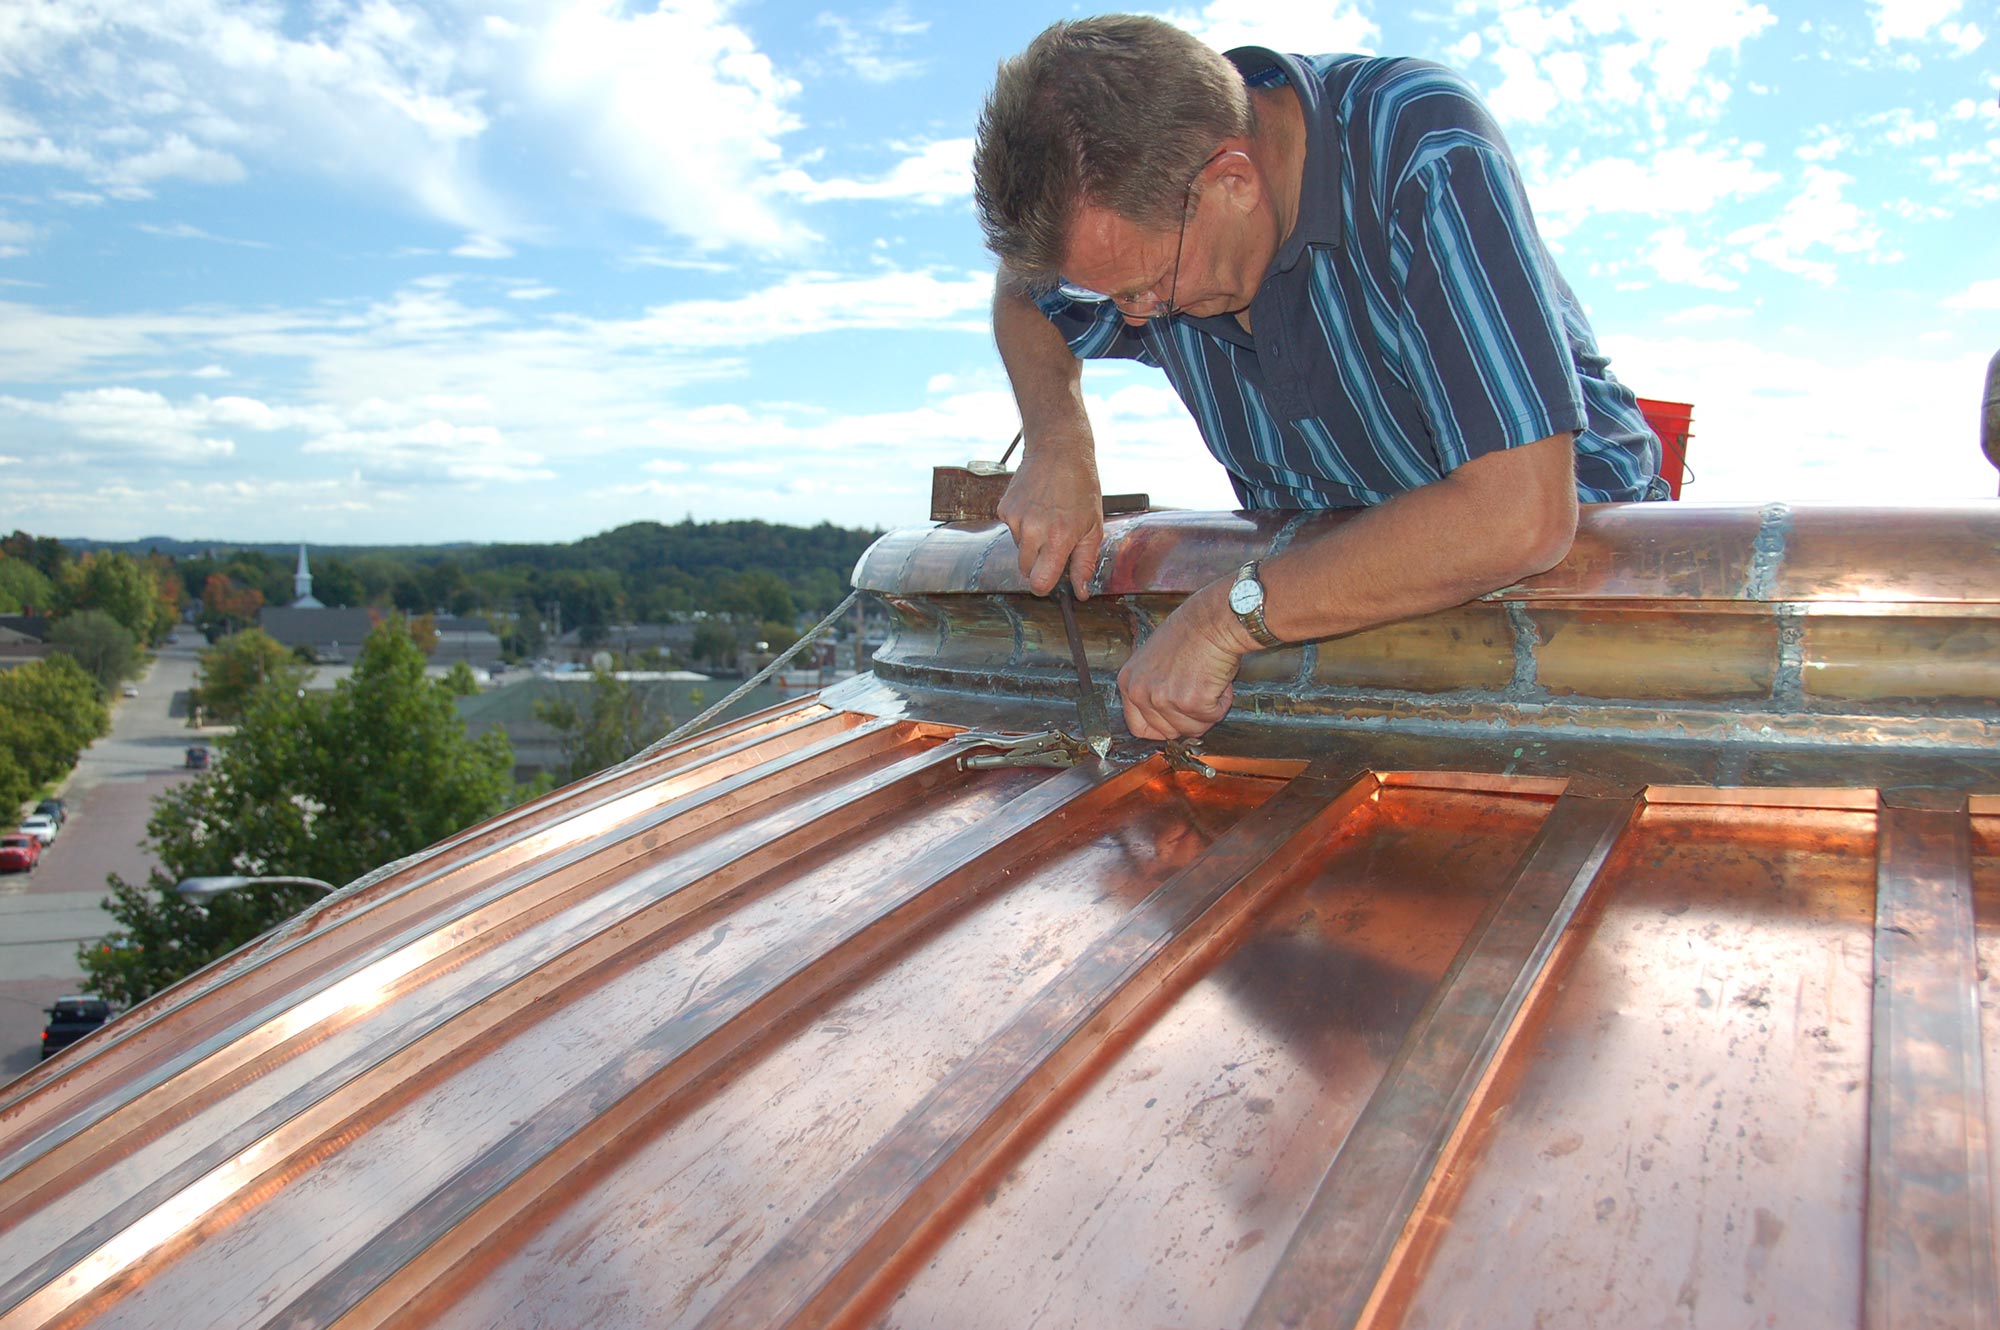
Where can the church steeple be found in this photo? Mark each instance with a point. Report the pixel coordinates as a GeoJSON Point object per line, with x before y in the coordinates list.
{"type": "Point", "coordinates": [302, 586]}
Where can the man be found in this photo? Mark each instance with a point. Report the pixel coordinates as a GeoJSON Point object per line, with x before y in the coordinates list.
{"type": "Point", "coordinates": [1333, 262]}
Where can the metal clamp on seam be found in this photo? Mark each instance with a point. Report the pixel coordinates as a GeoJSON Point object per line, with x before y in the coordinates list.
{"type": "Point", "coordinates": [1048, 748]}
{"type": "Point", "coordinates": [1185, 755]}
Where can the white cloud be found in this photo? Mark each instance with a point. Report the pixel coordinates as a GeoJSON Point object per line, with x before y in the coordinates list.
{"type": "Point", "coordinates": [1816, 219]}
{"type": "Point", "coordinates": [435, 449]}
{"type": "Point", "coordinates": [1146, 441]}
{"type": "Point", "coordinates": [810, 303]}
{"type": "Point", "coordinates": [14, 237]}
{"type": "Point", "coordinates": [1287, 25]}
{"type": "Point", "coordinates": [1674, 259]}
{"type": "Point", "coordinates": [1909, 20]}
{"type": "Point", "coordinates": [484, 247]}
{"type": "Point", "coordinates": [1983, 294]}
{"type": "Point", "coordinates": [1912, 434]}
{"type": "Point", "coordinates": [1685, 179]}
{"type": "Point", "coordinates": [1590, 58]}
{"type": "Point", "coordinates": [379, 95]}
{"type": "Point", "coordinates": [870, 48]}
{"type": "Point", "coordinates": [183, 231]}
{"type": "Point", "coordinates": [939, 172]}
{"type": "Point", "coordinates": [136, 422]}
{"type": "Point", "coordinates": [175, 157]}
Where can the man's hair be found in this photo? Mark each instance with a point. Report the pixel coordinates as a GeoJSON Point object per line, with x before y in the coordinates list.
{"type": "Point", "coordinates": [1118, 111]}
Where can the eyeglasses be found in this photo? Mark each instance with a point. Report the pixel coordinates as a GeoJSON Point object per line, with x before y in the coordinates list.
{"type": "Point", "coordinates": [1162, 309]}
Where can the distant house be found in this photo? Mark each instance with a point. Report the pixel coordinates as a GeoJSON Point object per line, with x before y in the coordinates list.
{"type": "Point", "coordinates": [334, 636]}
{"type": "Point", "coordinates": [331, 635]}
{"type": "Point", "coordinates": [675, 638]}
{"type": "Point", "coordinates": [23, 638]}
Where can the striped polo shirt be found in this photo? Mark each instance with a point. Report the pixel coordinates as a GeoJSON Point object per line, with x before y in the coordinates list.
{"type": "Point", "coordinates": [1410, 322]}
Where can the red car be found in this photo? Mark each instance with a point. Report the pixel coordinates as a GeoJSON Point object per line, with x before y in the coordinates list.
{"type": "Point", "coordinates": [19, 853]}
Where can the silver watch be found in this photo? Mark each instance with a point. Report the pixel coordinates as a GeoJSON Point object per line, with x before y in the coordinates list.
{"type": "Point", "coordinates": [1246, 598]}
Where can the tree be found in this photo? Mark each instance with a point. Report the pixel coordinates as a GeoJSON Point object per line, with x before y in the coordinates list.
{"type": "Point", "coordinates": [227, 605]}
{"type": "Point", "coordinates": [102, 645]}
{"type": "Point", "coordinates": [714, 642]}
{"type": "Point", "coordinates": [235, 668]}
{"type": "Point", "coordinates": [50, 711]}
{"type": "Point", "coordinates": [423, 630]}
{"type": "Point", "coordinates": [45, 554]}
{"type": "Point", "coordinates": [336, 583]}
{"type": "Point", "coordinates": [23, 588]}
{"type": "Point", "coordinates": [121, 587]}
{"type": "Point", "coordinates": [460, 681]}
{"type": "Point", "coordinates": [15, 787]}
{"type": "Point", "coordinates": [618, 719]}
{"type": "Point", "coordinates": [168, 596]}
{"type": "Point", "coordinates": [317, 785]}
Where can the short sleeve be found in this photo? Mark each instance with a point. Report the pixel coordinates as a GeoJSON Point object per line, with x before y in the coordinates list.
{"type": "Point", "coordinates": [1481, 322]}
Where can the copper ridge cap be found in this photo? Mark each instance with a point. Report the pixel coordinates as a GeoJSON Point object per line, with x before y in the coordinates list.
{"type": "Point", "coordinates": [1940, 553]}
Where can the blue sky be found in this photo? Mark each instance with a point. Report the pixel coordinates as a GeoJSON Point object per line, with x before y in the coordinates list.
{"type": "Point", "coordinates": [401, 272]}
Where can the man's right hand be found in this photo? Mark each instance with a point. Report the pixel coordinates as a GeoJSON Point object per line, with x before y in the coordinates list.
{"type": "Point", "coordinates": [1055, 508]}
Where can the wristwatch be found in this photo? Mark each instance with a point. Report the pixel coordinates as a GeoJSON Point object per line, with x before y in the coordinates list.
{"type": "Point", "coordinates": [1246, 598]}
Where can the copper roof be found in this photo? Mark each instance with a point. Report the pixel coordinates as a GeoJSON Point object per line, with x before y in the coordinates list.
{"type": "Point", "coordinates": [1605, 952]}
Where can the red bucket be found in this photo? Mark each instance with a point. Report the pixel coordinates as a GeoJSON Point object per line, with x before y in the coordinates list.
{"type": "Point", "coordinates": [1671, 421]}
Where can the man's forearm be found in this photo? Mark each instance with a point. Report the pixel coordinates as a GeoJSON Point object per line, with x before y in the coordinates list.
{"type": "Point", "coordinates": [1047, 379]}
{"type": "Point", "coordinates": [1495, 521]}
{"type": "Point", "coordinates": [1429, 548]}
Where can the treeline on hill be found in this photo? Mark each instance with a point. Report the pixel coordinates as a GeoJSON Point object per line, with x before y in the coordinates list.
{"type": "Point", "coordinates": [646, 572]}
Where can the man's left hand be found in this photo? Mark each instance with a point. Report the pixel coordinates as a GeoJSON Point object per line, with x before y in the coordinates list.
{"type": "Point", "coordinates": [1181, 680]}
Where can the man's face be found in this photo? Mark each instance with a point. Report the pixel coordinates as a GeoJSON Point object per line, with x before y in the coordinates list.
{"type": "Point", "coordinates": [1213, 266]}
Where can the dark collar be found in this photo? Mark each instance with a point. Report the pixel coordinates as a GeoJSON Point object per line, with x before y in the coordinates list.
{"type": "Point", "coordinates": [1319, 219]}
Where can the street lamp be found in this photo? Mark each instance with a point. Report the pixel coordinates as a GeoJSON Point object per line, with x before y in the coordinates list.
{"type": "Point", "coordinates": [202, 888]}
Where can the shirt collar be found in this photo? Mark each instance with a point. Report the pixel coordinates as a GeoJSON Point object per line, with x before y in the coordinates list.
{"type": "Point", "coordinates": [1319, 218]}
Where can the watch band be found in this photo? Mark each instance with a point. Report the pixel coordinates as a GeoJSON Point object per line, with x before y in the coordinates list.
{"type": "Point", "coordinates": [1252, 618]}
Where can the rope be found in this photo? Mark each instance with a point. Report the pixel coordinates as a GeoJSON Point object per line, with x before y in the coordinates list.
{"type": "Point", "coordinates": [753, 680]}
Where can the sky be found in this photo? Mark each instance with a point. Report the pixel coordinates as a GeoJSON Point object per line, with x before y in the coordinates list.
{"type": "Point", "coordinates": [396, 272]}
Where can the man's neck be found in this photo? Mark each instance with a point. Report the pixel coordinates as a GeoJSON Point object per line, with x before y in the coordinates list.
{"type": "Point", "coordinates": [1279, 147]}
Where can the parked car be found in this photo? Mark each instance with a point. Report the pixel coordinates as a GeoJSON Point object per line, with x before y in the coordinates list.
{"type": "Point", "coordinates": [70, 1019]}
{"type": "Point", "coordinates": [131, 690]}
{"type": "Point", "coordinates": [56, 809]}
{"type": "Point", "coordinates": [197, 758]}
{"type": "Point", "coordinates": [41, 826]}
{"type": "Point", "coordinates": [19, 853]}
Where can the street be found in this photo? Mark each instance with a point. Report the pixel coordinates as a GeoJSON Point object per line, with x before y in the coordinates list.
{"type": "Point", "coordinates": [45, 914]}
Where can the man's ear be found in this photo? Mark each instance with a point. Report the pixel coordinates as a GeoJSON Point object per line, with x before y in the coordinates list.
{"type": "Point", "coordinates": [1236, 174]}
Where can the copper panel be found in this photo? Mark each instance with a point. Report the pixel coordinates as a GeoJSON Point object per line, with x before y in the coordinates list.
{"type": "Point", "coordinates": [1985, 838]}
{"type": "Point", "coordinates": [700, 1200]}
{"type": "Point", "coordinates": [1468, 647]}
{"type": "Point", "coordinates": [335, 937]}
{"type": "Point", "coordinates": [1339, 1249]}
{"type": "Point", "coordinates": [1930, 1199]}
{"type": "Point", "coordinates": [1710, 657]}
{"type": "Point", "coordinates": [400, 1031]}
{"type": "Point", "coordinates": [1684, 1116]}
{"type": "Point", "coordinates": [831, 1258]}
{"type": "Point", "coordinates": [1914, 664]}
{"type": "Point", "coordinates": [1163, 1193]}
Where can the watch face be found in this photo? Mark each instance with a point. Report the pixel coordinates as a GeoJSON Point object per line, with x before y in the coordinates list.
{"type": "Point", "coordinates": [1246, 595]}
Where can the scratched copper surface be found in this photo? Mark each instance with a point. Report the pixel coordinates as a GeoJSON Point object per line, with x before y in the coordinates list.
{"type": "Point", "coordinates": [1615, 950]}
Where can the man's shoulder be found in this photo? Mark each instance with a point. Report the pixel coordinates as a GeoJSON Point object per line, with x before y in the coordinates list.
{"type": "Point", "coordinates": [1392, 113]}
